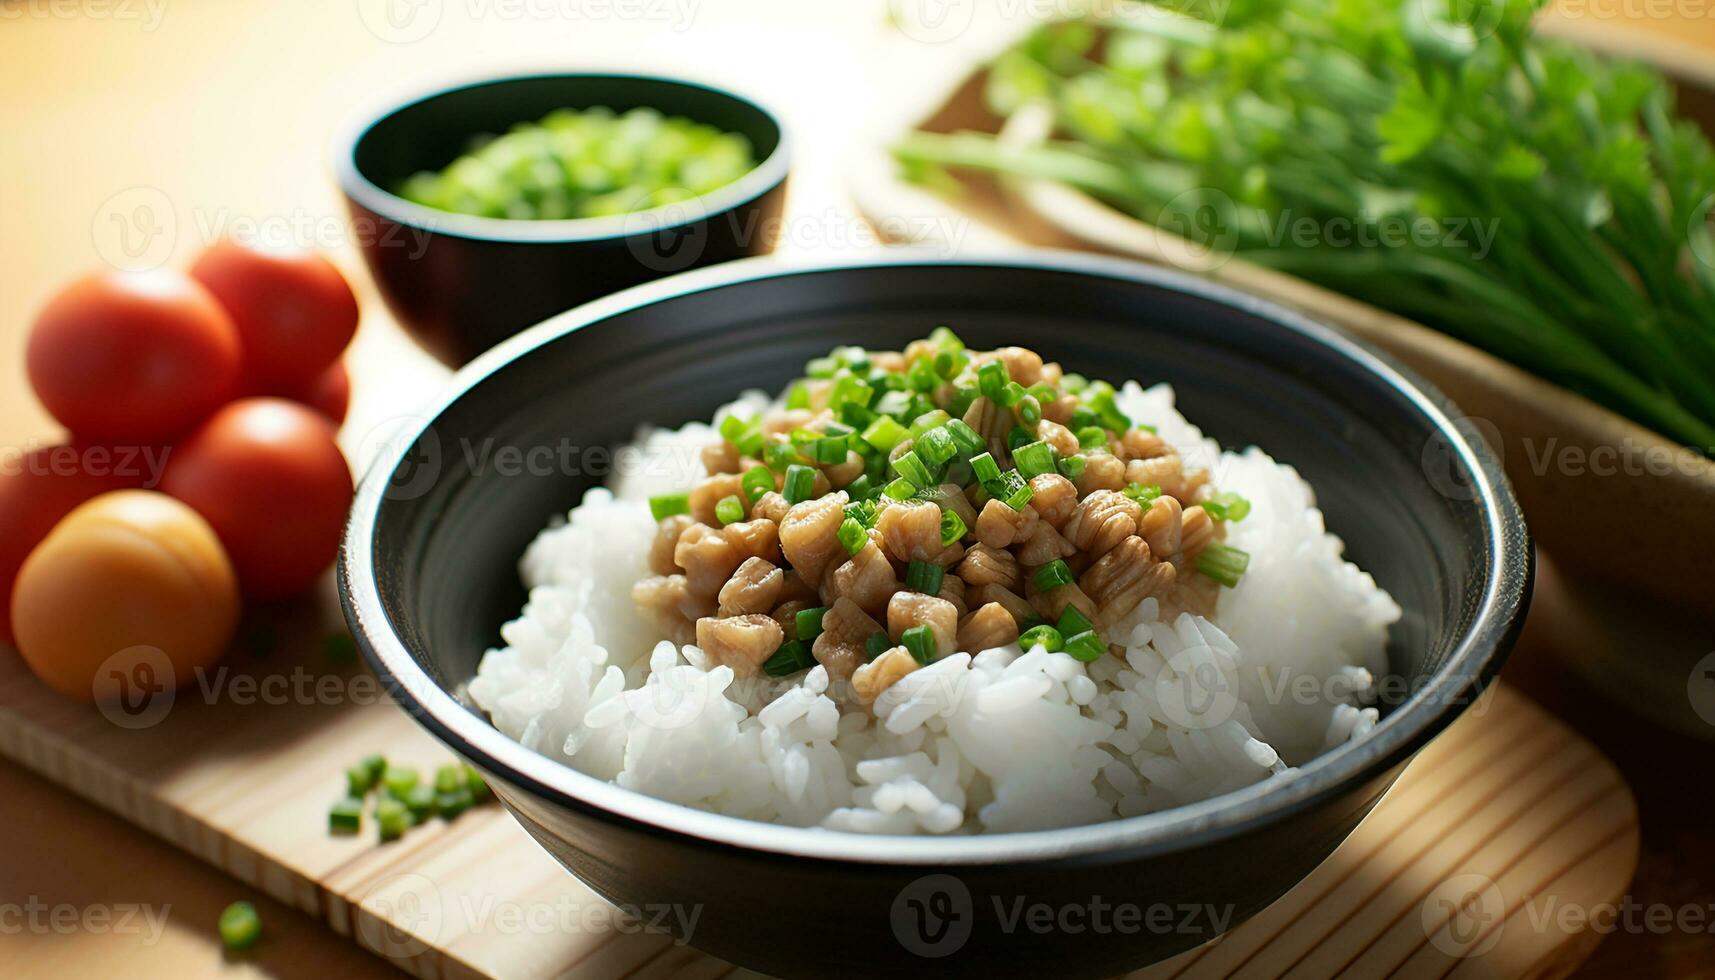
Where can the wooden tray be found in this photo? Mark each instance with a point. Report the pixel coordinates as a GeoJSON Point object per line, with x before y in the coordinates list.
{"type": "Point", "coordinates": [1506, 814]}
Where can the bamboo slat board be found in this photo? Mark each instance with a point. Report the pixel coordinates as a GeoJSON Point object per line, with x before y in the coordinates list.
{"type": "Point", "coordinates": [1507, 820]}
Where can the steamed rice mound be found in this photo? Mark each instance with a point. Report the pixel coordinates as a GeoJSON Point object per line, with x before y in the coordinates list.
{"type": "Point", "coordinates": [977, 741]}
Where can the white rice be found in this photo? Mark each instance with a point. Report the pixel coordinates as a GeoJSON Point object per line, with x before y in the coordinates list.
{"type": "Point", "coordinates": [991, 740]}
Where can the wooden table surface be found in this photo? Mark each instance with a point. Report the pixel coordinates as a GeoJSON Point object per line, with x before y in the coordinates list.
{"type": "Point", "coordinates": [139, 130]}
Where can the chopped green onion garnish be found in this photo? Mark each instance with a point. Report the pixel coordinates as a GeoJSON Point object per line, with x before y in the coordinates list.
{"type": "Point", "coordinates": [1093, 437]}
{"type": "Point", "coordinates": [375, 763]}
{"type": "Point", "coordinates": [346, 816]}
{"type": "Point", "coordinates": [1144, 494]}
{"type": "Point", "coordinates": [992, 380]}
{"type": "Point", "coordinates": [936, 447]}
{"type": "Point", "coordinates": [924, 577]}
{"type": "Point", "coordinates": [853, 536]}
{"type": "Point", "coordinates": [1019, 436]}
{"type": "Point", "coordinates": [792, 657]}
{"type": "Point", "coordinates": [1085, 646]}
{"type": "Point", "coordinates": [919, 641]}
{"type": "Point", "coordinates": [394, 817]}
{"type": "Point", "coordinates": [1034, 459]}
{"type": "Point", "coordinates": [1052, 575]}
{"type": "Point", "coordinates": [1012, 394]}
{"type": "Point", "coordinates": [399, 781]}
{"type": "Point", "coordinates": [779, 455]}
{"type": "Point", "coordinates": [861, 488]}
{"type": "Point", "coordinates": [965, 437]}
{"type": "Point", "coordinates": [1072, 622]}
{"type": "Point", "coordinates": [358, 781]}
{"type": "Point", "coordinates": [952, 527]}
{"type": "Point", "coordinates": [929, 420]}
{"type": "Point", "coordinates": [895, 405]}
{"type": "Point", "coordinates": [448, 779]}
{"type": "Point", "coordinates": [450, 805]}
{"type": "Point", "coordinates": [862, 511]}
{"type": "Point", "coordinates": [900, 489]}
{"type": "Point", "coordinates": [1011, 489]}
{"type": "Point", "coordinates": [1224, 563]}
{"type": "Point", "coordinates": [1028, 409]}
{"type": "Point", "coordinates": [911, 467]}
{"type": "Point", "coordinates": [663, 506]}
{"type": "Point", "coordinates": [850, 390]}
{"type": "Point", "coordinates": [884, 433]}
{"type": "Point", "coordinates": [1073, 383]}
{"type": "Point", "coordinates": [855, 415]}
{"type": "Point", "coordinates": [809, 622]}
{"type": "Point", "coordinates": [821, 367]}
{"type": "Point", "coordinates": [949, 363]}
{"type": "Point", "coordinates": [984, 468]}
{"type": "Point", "coordinates": [829, 451]}
{"type": "Point", "coordinates": [1072, 468]}
{"type": "Point", "coordinates": [963, 396]}
{"type": "Point", "coordinates": [946, 339]}
{"type": "Point", "coordinates": [800, 483]}
{"type": "Point", "coordinates": [1227, 507]}
{"type": "Point", "coordinates": [876, 645]}
{"type": "Point", "coordinates": [1044, 636]}
{"type": "Point", "coordinates": [421, 802]}
{"type": "Point", "coordinates": [745, 434]}
{"type": "Point", "coordinates": [729, 510]}
{"type": "Point", "coordinates": [240, 926]}
{"type": "Point", "coordinates": [477, 786]}
{"type": "Point", "coordinates": [921, 376]}
{"type": "Point", "coordinates": [798, 396]}
{"type": "Point", "coordinates": [757, 481]}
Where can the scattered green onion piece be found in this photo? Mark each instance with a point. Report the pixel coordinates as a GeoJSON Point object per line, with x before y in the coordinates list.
{"type": "Point", "coordinates": [911, 467]}
{"type": "Point", "coordinates": [399, 781]}
{"type": "Point", "coordinates": [932, 419]}
{"type": "Point", "coordinates": [663, 506]}
{"type": "Point", "coordinates": [1029, 410]}
{"type": "Point", "coordinates": [448, 779]}
{"type": "Point", "coordinates": [1093, 437]}
{"type": "Point", "coordinates": [963, 396]}
{"type": "Point", "coordinates": [1224, 563]}
{"type": "Point", "coordinates": [376, 764]}
{"type": "Point", "coordinates": [862, 511]}
{"type": "Point", "coordinates": [346, 816]}
{"type": "Point", "coordinates": [1012, 394]}
{"type": "Point", "coordinates": [949, 363]}
{"type": "Point", "coordinates": [421, 802]}
{"type": "Point", "coordinates": [984, 468]}
{"type": "Point", "coordinates": [1073, 383]}
{"type": "Point", "coordinates": [240, 926]}
{"type": "Point", "coordinates": [798, 396]}
{"type": "Point", "coordinates": [837, 429]}
{"type": "Point", "coordinates": [1052, 575]}
{"type": "Point", "coordinates": [876, 645]}
{"type": "Point", "coordinates": [924, 577]}
{"type": "Point", "coordinates": [729, 510]}
{"type": "Point", "coordinates": [1072, 622]}
{"type": "Point", "coordinates": [1086, 646]}
{"type": "Point", "coordinates": [884, 433]}
{"type": "Point", "coordinates": [919, 641]}
{"type": "Point", "coordinates": [861, 488]}
{"type": "Point", "coordinates": [821, 367]}
{"type": "Point", "coordinates": [733, 428]}
{"type": "Point", "coordinates": [895, 405]}
{"type": "Point", "coordinates": [1043, 392]}
{"type": "Point", "coordinates": [450, 805]}
{"type": "Point", "coordinates": [800, 483]}
{"type": "Point", "coordinates": [809, 622]}
{"type": "Point", "coordinates": [792, 657]}
{"type": "Point", "coordinates": [936, 447]}
{"type": "Point", "coordinates": [946, 339]}
{"type": "Point", "coordinates": [1019, 436]}
{"type": "Point", "coordinates": [777, 456]}
{"type": "Point", "coordinates": [921, 375]}
{"type": "Point", "coordinates": [358, 781]}
{"type": "Point", "coordinates": [965, 437]}
{"type": "Point", "coordinates": [855, 415]}
{"type": "Point", "coordinates": [1083, 418]}
{"type": "Point", "coordinates": [952, 527]}
{"type": "Point", "coordinates": [830, 451]}
{"type": "Point", "coordinates": [850, 390]}
{"type": "Point", "coordinates": [757, 481]}
{"type": "Point", "coordinates": [853, 536]}
{"type": "Point", "coordinates": [1072, 468]}
{"type": "Point", "coordinates": [476, 785]}
{"type": "Point", "coordinates": [1010, 488]}
{"type": "Point", "coordinates": [1034, 459]}
{"type": "Point", "coordinates": [992, 380]}
{"type": "Point", "coordinates": [1227, 507]}
{"type": "Point", "coordinates": [1044, 636]}
{"type": "Point", "coordinates": [1144, 494]}
{"type": "Point", "coordinates": [900, 489]}
{"type": "Point", "coordinates": [394, 817]}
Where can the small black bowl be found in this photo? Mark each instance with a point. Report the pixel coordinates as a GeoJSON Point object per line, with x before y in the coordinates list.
{"type": "Point", "coordinates": [429, 572]}
{"type": "Point", "coordinates": [461, 284]}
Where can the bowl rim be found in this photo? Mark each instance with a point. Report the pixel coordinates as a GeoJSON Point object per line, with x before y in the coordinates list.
{"type": "Point", "coordinates": [1464, 675]}
{"type": "Point", "coordinates": [768, 173]}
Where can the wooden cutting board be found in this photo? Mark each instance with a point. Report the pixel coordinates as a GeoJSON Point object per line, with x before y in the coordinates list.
{"type": "Point", "coordinates": [1496, 829]}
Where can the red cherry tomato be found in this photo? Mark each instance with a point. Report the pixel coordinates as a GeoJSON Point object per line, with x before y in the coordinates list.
{"type": "Point", "coordinates": [133, 356]}
{"type": "Point", "coordinates": [329, 394]}
{"type": "Point", "coordinates": [294, 311]}
{"type": "Point", "coordinates": [39, 488]}
{"type": "Point", "coordinates": [267, 475]}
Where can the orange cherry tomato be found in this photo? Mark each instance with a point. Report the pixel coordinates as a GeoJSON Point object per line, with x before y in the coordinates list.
{"type": "Point", "coordinates": [294, 311]}
{"type": "Point", "coordinates": [130, 573]}
{"type": "Point", "coordinates": [39, 488]}
{"type": "Point", "coordinates": [330, 394]}
{"type": "Point", "coordinates": [133, 356]}
{"type": "Point", "coordinates": [268, 476]}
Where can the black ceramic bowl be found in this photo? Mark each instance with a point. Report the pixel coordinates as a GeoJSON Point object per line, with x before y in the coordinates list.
{"type": "Point", "coordinates": [429, 573]}
{"type": "Point", "coordinates": [460, 284]}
